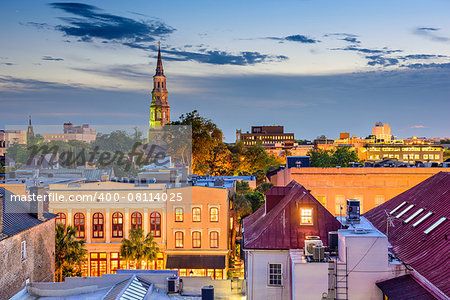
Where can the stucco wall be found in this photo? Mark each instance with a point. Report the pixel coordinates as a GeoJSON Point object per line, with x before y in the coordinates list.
{"type": "Point", "coordinates": [310, 280]}
{"type": "Point", "coordinates": [39, 264]}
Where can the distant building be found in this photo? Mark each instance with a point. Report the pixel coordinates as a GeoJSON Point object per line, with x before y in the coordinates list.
{"type": "Point", "coordinates": [27, 242]}
{"type": "Point", "coordinates": [297, 162]}
{"type": "Point", "coordinates": [290, 218]}
{"type": "Point", "coordinates": [272, 138]}
{"type": "Point", "coordinates": [382, 131]}
{"type": "Point", "coordinates": [11, 137]}
{"type": "Point", "coordinates": [83, 133]}
{"type": "Point", "coordinates": [409, 153]}
{"type": "Point", "coordinates": [159, 107]}
{"type": "Point", "coordinates": [30, 130]}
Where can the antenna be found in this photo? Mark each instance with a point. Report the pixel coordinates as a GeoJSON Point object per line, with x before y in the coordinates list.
{"type": "Point", "coordinates": [389, 222]}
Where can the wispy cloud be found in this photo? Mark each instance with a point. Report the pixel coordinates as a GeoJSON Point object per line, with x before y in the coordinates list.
{"type": "Point", "coordinates": [50, 58]}
{"type": "Point", "coordinates": [347, 37]}
{"type": "Point", "coordinates": [299, 38]}
{"type": "Point", "coordinates": [417, 126]}
{"type": "Point", "coordinates": [431, 34]}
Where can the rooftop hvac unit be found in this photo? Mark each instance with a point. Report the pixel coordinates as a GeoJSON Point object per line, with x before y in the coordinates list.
{"type": "Point", "coordinates": [333, 241]}
{"type": "Point", "coordinates": [353, 215]}
{"type": "Point", "coordinates": [309, 246]}
{"type": "Point", "coordinates": [173, 284]}
{"type": "Point", "coordinates": [318, 253]}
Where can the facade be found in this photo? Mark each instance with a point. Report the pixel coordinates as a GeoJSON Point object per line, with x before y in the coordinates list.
{"type": "Point", "coordinates": [290, 216]}
{"type": "Point", "coordinates": [27, 245]}
{"type": "Point", "coordinates": [382, 131]}
{"type": "Point", "coordinates": [191, 227]}
{"type": "Point", "coordinates": [159, 108]}
{"type": "Point", "coordinates": [270, 137]}
{"type": "Point", "coordinates": [371, 186]}
{"type": "Point", "coordinates": [11, 137]}
{"type": "Point", "coordinates": [83, 133]}
{"type": "Point", "coordinates": [409, 153]}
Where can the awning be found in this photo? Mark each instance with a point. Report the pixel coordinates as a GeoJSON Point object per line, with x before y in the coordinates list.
{"type": "Point", "coordinates": [195, 261]}
{"type": "Point", "coordinates": [403, 288]}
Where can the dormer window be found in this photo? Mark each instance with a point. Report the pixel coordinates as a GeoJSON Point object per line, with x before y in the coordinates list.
{"type": "Point", "coordinates": [306, 216]}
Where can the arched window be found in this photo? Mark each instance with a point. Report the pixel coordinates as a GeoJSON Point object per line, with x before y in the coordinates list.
{"type": "Point", "coordinates": [158, 84]}
{"type": "Point", "coordinates": [61, 219]}
{"type": "Point", "coordinates": [78, 222]}
{"type": "Point", "coordinates": [117, 225]}
{"type": "Point", "coordinates": [178, 214]}
{"type": "Point", "coordinates": [136, 220]}
{"type": "Point", "coordinates": [196, 239]}
{"type": "Point", "coordinates": [214, 239]}
{"type": "Point", "coordinates": [155, 224]}
{"type": "Point", "coordinates": [196, 214]}
{"type": "Point", "coordinates": [179, 239]}
{"type": "Point", "coordinates": [97, 225]}
{"type": "Point", "coordinates": [214, 214]}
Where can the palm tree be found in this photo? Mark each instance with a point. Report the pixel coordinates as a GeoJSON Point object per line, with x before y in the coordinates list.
{"type": "Point", "coordinates": [139, 247]}
{"type": "Point", "coordinates": [70, 253]}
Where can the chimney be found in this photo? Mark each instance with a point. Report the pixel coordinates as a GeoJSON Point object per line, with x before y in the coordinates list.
{"type": "Point", "coordinates": [39, 202]}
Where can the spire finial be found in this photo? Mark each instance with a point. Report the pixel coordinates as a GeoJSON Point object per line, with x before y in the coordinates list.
{"type": "Point", "coordinates": [159, 66]}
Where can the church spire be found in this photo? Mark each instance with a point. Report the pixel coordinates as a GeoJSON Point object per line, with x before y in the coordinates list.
{"type": "Point", "coordinates": [159, 66]}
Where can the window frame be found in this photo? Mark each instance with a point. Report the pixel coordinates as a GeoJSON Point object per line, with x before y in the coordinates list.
{"type": "Point", "coordinates": [179, 238]}
{"type": "Point", "coordinates": [154, 228]}
{"type": "Point", "coordinates": [280, 274]}
{"type": "Point", "coordinates": [98, 228]}
{"type": "Point", "coordinates": [306, 216]}
{"type": "Point", "coordinates": [194, 215]}
{"type": "Point", "coordinates": [211, 214]}
{"type": "Point", "coordinates": [135, 217]}
{"type": "Point", "coordinates": [117, 225]}
{"type": "Point", "coordinates": [211, 240]}
{"type": "Point", "coordinates": [196, 239]}
{"type": "Point", "coordinates": [181, 214]}
{"type": "Point", "coordinates": [61, 219]}
{"type": "Point", "coordinates": [78, 218]}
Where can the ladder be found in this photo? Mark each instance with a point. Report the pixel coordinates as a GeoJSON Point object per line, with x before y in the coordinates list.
{"type": "Point", "coordinates": [341, 279]}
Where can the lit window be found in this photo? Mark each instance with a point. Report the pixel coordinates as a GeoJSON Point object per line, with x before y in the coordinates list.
{"type": "Point", "coordinates": [97, 228]}
{"type": "Point", "coordinates": [136, 220]}
{"type": "Point", "coordinates": [322, 200]}
{"type": "Point", "coordinates": [422, 219]}
{"type": "Point", "coordinates": [61, 219]}
{"type": "Point", "coordinates": [178, 214]}
{"type": "Point", "coordinates": [214, 214]}
{"type": "Point", "coordinates": [196, 214]}
{"type": "Point", "coordinates": [414, 215]}
{"type": "Point", "coordinates": [196, 239]}
{"type": "Point", "coordinates": [78, 222]}
{"type": "Point", "coordinates": [155, 224]}
{"type": "Point", "coordinates": [214, 239]}
{"type": "Point", "coordinates": [306, 216]}
{"type": "Point", "coordinates": [379, 199]}
{"type": "Point", "coordinates": [436, 224]}
{"type": "Point", "coordinates": [179, 239]}
{"type": "Point", "coordinates": [275, 274]}
{"type": "Point", "coordinates": [117, 225]}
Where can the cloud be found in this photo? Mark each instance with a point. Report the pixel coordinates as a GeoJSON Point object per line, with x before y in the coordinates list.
{"type": "Point", "coordinates": [90, 23]}
{"type": "Point", "coordinates": [8, 63]}
{"type": "Point", "coordinates": [50, 58]}
{"type": "Point", "coordinates": [430, 33]}
{"type": "Point", "coordinates": [421, 56]}
{"type": "Point", "coordinates": [417, 126]}
{"type": "Point", "coordinates": [384, 50]}
{"type": "Point", "coordinates": [381, 60]}
{"type": "Point", "coordinates": [299, 38]}
{"type": "Point", "coordinates": [348, 37]}
{"type": "Point", "coordinates": [419, 66]}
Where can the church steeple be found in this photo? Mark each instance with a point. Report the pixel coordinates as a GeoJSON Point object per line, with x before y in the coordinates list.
{"type": "Point", "coordinates": [30, 131]}
{"type": "Point", "coordinates": [159, 66]}
{"type": "Point", "coordinates": [159, 108]}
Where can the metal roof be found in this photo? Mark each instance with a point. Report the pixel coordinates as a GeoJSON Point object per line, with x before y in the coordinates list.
{"type": "Point", "coordinates": [427, 252]}
{"type": "Point", "coordinates": [404, 288]}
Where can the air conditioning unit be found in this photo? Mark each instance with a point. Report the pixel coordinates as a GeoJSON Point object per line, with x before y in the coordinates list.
{"type": "Point", "coordinates": [173, 284]}
{"type": "Point", "coordinates": [309, 246]}
{"type": "Point", "coordinates": [318, 253]}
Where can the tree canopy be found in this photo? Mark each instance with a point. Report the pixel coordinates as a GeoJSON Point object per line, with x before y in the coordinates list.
{"type": "Point", "coordinates": [341, 156]}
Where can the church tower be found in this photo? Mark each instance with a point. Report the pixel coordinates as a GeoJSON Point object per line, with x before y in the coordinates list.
{"type": "Point", "coordinates": [159, 109]}
{"type": "Point", "coordinates": [30, 131]}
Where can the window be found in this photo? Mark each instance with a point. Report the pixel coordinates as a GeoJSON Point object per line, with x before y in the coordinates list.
{"type": "Point", "coordinates": [214, 214]}
{"type": "Point", "coordinates": [115, 262]}
{"type": "Point", "coordinates": [398, 207]}
{"type": "Point", "coordinates": [322, 200]}
{"type": "Point", "coordinates": [98, 263]}
{"type": "Point", "coordinates": [414, 215]}
{"type": "Point", "coordinates": [405, 211]}
{"type": "Point", "coordinates": [155, 224]}
{"type": "Point", "coordinates": [23, 250]}
{"type": "Point", "coordinates": [61, 219]}
{"type": "Point", "coordinates": [379, 199]}
{"type": "Point", "coordinates": [275, 274]}
{"type": "Point", "coordinates": [178, 214]}
{"type": "Point", "coordinates": [136, 220]}
{"type": "Point", "coordinates": [97, 225]}
{"type": "Point", "coordinates": [423, 219]}
{"type": "Point", "coordinates": [214, 239]}
{"type": "Point", "coordinates": [117, 225]}
{"type": "Point", "coordinates": [436, 224]}
{"type": "Point", "coordinates": [306, 216]}
{"type": "Point", "coordinates": [196, 239]}
{"type": "Point", "coordinates": [196, 214]}
{"type": "Point", "coordinates": [179, 239]}
{"type": "Point", "coordinates": [78, 222]}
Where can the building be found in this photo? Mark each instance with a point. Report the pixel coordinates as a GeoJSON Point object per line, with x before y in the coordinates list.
{"type": "Point", "coordinates": [371, 186]}
{"type": "Point", "coordinates": [83, 133]}
{"type": "Point", "coordinates": [409, 153]}
{"type": "Point", "coordinates": [159, 108]}
{"type": "Point", "coordinates": [382, 131]}
{"type": "Point", "coordinates": [272, 138]}
{"type": "Point", "coordinates": [11, 137]}
{"type": "Point", "coordinates": [30, 130]}
{"type": "Point", "coordinates": [27, 243]}
{"type": "Point", "coordinates": [418, 235]}
{"type": "Point", "coordinates": [290, 216]}
{"type": "Point", "coordinates": [190, 224]}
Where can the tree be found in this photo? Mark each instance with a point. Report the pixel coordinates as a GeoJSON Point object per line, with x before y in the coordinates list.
{"type": "Point", "coordinates": [139, 247]}
{"type": "Point", "coordinates": [264, 187]}
{"type": "Point", "coordinates": [446, 154]}
{"type": "Point", "coordinates": [342, 156]}
{"type": "Point", "coordinates": [69, 252]}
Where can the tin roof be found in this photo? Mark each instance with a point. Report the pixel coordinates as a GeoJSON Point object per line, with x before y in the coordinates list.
{"type": "Point", "coordinates": [421, 225]}
{"type": "Point", "coordinates": [404, 288]}
{"type": "Point", "coordinates": [279, 226]}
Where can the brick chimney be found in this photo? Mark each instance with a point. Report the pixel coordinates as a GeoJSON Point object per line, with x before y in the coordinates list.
{"type": "Point", "coordinates": [39, 202]}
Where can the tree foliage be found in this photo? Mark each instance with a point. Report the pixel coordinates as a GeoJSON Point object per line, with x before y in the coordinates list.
{"type": "Point", "coordinates": [139, 247]}
{"type": "Point", "coordinates": [341, 156]}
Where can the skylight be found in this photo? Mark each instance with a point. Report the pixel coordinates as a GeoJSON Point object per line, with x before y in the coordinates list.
{"type": "Point", "coordinates": [414, 215]}
{"type": "Point", "coordinates": [436, 224]}
{"type": "Point", "coordinates": [423, 219]}
{"type": "Point", "coordinates": [397, 208]}
{"type": "Point", "coordinates": [405, 211]}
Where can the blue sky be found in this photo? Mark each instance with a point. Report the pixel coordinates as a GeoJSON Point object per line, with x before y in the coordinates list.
{"type": "Point", "coordinates": [316, 67]}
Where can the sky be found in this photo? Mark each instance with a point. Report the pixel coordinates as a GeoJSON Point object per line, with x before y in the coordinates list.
{"type": "Point", "coordinates": [314, 66]}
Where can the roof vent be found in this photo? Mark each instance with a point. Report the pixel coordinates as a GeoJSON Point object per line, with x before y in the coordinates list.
{"type": "Point", "coordinates": [359, 230]}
